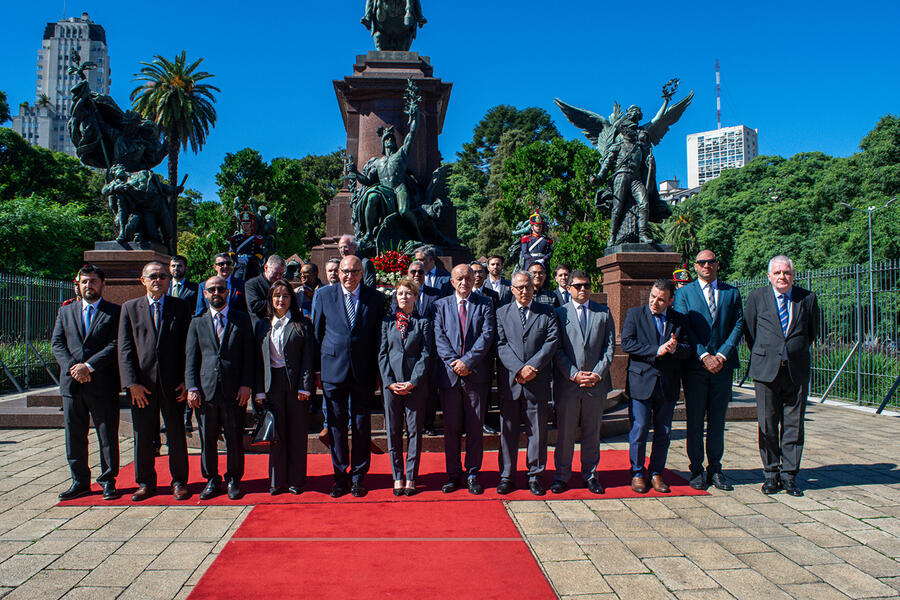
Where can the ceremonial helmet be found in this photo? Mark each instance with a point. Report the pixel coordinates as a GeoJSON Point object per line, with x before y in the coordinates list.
{"type": "Point", "coordinates": [682, 275]}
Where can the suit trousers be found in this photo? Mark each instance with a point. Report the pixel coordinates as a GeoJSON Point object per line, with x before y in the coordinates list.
{"type": "Point", "coordinates": [464, 406]}
{"type": "Point", "coordinates": [513, 413]}
{"type": "Point", "coordinates": [349, 401]}
{"type": "Point", "coordinates": [287, 454]}
{"type": "Point", "coordinates": [78, 410]}
{"type": "Point", "coordinates": [230, 418]}
{"type": "Point", "coordinates": [657, 411]}
{"type": "Point", "coordinates": [396, 410]}
{"type": "Point", "coordinates": [572, 406]}
{"type": "Point", "coordinates": [706, 398]}
{"type": "Point", "coordinates": [145, 422]}
{"type": "Point", "coordinates": [780, 410]}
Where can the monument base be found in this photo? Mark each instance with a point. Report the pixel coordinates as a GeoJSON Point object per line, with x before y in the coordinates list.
{"type": "Point", "coordinates": [627, 278]}
{"type": "Point", "coordinates": [115, 245]}
{"type": "Point", "coordinates": [654, 247]}
{"type": "Point", "coordinates": [122, 269]}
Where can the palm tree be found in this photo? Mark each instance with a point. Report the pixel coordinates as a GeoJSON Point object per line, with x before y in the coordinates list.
{"type": "Point", "coordinates": [681, 232]}
{"type": "Point", "coordinates": [182, 108]}
{"type": "Point", "coordinates": [43, 101]}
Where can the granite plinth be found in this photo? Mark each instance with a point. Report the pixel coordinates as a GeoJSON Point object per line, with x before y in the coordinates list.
{"type": "Point", "coordinates": [122, 269]}
{"type": "Point", "coordinates": [637, 248]}
{"type": "Point", "coordinates": [114, 245]}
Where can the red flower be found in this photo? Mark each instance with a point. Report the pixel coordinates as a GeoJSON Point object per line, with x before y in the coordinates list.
{"type": "Point", "coordinates": [391, 261]}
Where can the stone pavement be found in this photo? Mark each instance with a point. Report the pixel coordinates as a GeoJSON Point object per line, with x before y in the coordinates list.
{"type": "Point", "coordinates": [841, 540]}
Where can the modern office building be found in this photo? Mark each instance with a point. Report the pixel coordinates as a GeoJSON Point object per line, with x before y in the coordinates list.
{"type": "Point", "coordinates": [43, 123]}
{"type": "Point", "coordinates": [711, 152]}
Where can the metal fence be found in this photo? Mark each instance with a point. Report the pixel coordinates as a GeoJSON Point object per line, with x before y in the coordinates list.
{"type": "Point", "coordinates": [860, 319]}
{"type": "Point", "coordinates": [28, 308]}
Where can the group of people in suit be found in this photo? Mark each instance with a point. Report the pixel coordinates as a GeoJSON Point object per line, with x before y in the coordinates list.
{"type": "Point", "coordinates": [446, 336]}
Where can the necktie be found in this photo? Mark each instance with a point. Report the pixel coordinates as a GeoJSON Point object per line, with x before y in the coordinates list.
{"type": "Point", "coordinates": [462, 321]}
{"type": "Point", "coordinates": [220, 326]}
{"type": "Point", "coordinates": [582, 319]}
{"type": "Point", "coordinates": [523, 313]}
{"type": "Point", "coordinates": [351, 314]}
{"type": "Point", "coordinates": [154, 310]}
{"type": "Point", "coordinates": [783, 313]}
{"type": "Point", "coordinates": [565, 296]}
{"type": "Point", "coordinates": [88, 318]}
{"type": "Point", "coordinates": [176, 289]}
{"type": "Point", "coordinates": [711, 299]}
{"type": "Point", "coordinates": [660, 327]}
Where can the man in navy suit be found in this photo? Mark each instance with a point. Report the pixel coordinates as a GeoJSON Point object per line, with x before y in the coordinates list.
{"type": "Point", "coordinates": [655, 339]}
{"type": "Point", "coordinates": [464, 329]}
{"type": "Point", "coordinates": [714, 319]}
{"type": "Point", "coordinates": [347, 325]}
{"type": "Point", "coordinates": [435, 276]}
{"type": "Point", "coordinates": [496, 281]}
{"type": "Point", "coordinates": [182, 287]}
{"type": "Point", "coordinates": [237, 299]}
{"type": "Point", "coordinates": [561, 275]}
{"type": "Point", "coordinates": [84, 344]}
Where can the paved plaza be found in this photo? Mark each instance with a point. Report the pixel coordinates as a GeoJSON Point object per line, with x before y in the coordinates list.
{"type": "Point", "coordinates": [842, 540]}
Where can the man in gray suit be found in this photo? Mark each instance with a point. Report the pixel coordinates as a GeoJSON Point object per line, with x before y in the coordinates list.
{"type": "Point", "coordinates": [527, 336]}
{"type": "Point", "coordinates": [780, 324]}
{"type": "Point", "coordinates": [587, 341]}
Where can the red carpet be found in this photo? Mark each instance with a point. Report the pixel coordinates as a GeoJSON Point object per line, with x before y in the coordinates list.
{"type": "Point", "coordinates": [461, 550]}
{"type": "Point", "coordinates": [613, 473]}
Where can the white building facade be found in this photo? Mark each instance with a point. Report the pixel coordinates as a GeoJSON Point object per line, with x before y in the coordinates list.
{"type": "Point", "coordinates": [711, 152]}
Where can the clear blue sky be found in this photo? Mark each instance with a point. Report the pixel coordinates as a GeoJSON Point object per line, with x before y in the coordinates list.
{"type": "Point", "coordinates": [808, 75]}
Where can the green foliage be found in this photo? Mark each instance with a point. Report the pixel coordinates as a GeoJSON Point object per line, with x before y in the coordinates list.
{"type": "Point", "coordinates": [4, 108]}
{"type": "Point", "coordinates": [470, 201]}
{"type": "Point", "coordinates": [582, 245]}
{"type": "Point", "coordinates": [494, 235]}
{"type": "Point", "coordinates": [211, 227]}
{"type": "Point", "coordinates": [243, 174]}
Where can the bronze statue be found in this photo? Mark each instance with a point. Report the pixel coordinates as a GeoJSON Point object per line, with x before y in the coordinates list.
{"type": "Point", "coordinates": [139, 201]}
{"type": "Point", "coordinates": [627, 170]}
{"type": "Point", "coordinates": [393, 23]}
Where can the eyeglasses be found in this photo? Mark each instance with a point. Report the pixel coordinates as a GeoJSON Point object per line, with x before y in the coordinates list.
{"type": "Point", "coordinates": [416, 271]}
{"type": "Point", "coordinates": [519, 288]}
{"type": "Point", "coordinates": [217, 289]}
{"type": "Point", "coordinates": [223, 263]}
{"type": "Point", "coordinates": [580, 286]}
{"type": "Point", "coordinates": [350, 271]}
{"type": "Point", "coordinates": [711, 261]}
{"type": "Point", "coordinates": [155, 276]}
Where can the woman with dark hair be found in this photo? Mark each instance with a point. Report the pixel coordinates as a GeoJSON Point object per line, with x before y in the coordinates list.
{"type": "Point", "coordinates": [284, 382]}
{"type": "Point", "coordinates": [404, 361]}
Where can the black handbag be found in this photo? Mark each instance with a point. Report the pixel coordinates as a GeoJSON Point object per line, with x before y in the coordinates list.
{"type": "Point", "coordinates": [265, 431]}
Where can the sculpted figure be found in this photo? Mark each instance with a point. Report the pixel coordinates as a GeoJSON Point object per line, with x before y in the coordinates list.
{"type": "Point", "coordinates": [393, 23]}
{"type": "Point", "coordinates": [139, 200]}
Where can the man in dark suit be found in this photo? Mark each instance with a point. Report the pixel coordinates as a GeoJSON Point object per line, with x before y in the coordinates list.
{"type": "Point", "coordinates": [257, 289]}
{"type": "Point", "coordinates": [464, 326]}
{"type": "Point", "coordinates": [236, 298]}
{"type": "Point", "coordinates": [587, 343]}
{"type": "Point", "coordinates": [152, 334]}
{"type": "Point", "coordinates": [561, 275]}
{"type": "Point", "coordinates": [781, 322]}
{"type": "Point", "coordinates": [656, 341]}
{"type": "Point", "coordinates": [435, 276]}
{"type": "Point", "coordinates": [527, 337]}
{"type": "Point", "coordinates": [714, 319]}
{"type": "Point", "coordinates": [347, 324]}
{"type": "Point", "coordinates": [479, 273]}
{"type": "Point", "coordinates": [84, 344]}
{"type": "Point", "coordinates": [347, 246]}
{"type": "Point", "coordinates": [219, 372]}
{"type": "Point", "coordinates": [181, 287]}
{"type": "Point", "coordinates": [496, 281]}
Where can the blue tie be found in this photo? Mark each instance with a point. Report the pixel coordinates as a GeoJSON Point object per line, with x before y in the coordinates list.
{"type": "Point", "coordinates": [783, 313]}
{"type": "Point", "coordinates": [351, 314]}
{"type": "Point", "coordinates": [660, 327]}
{"type": "Point", "coordinates": [88, 319]}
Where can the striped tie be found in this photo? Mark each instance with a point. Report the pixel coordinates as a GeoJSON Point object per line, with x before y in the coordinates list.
{"type": "Point", "coordinates": [783, 313]}
{"type": "Point", "coordinates": [351, 314]}
{"type": "Point", "coordinates": [711, 299]}
{"type": "Point", "coordinates": [523, 313]}
{"type": "Point", "coordinates": [220, 326]}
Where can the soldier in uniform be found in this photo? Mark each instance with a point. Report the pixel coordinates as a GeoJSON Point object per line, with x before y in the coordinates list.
{"type": "Point", "coordinates": [246, 245]}
{"type": "Point", "coordinates": [536, 246]}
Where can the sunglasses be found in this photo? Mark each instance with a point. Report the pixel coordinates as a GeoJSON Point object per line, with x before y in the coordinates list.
{"type": "Point", "coordinates": [416, 271]}
{"type": "Point", "coordinates": [580, 286]}
{"type": "Point", "coordinates": [711, 261]}
{"type": "Point", "coordinates": [217, 289]}
{"type": "Point", "coordinates": [155, 276]}
{"type": "Point", "coordinates": [223, 263]}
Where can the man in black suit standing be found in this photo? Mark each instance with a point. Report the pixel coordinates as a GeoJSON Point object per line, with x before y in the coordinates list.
{"type": "Point", "coordinates": [152, 334]}
{"type": "Point", "coordinates": [257, 289]}
{"type": "Point", "coordinates": [496, 281]}
{"type": "Point", "coordinates": [561, 275]}
{"type": "Point", "coordinates": [435, 276]}
{"type": "Point", "coordinates": [236, 297]}
{"type": "Point", "coordinates": [219, 372]}
{"type": "Point", "coordinates": [480, 273]}
{"type": "Point", "coordinates": [781, 322]}
{"type": "Point", "coordinates": [181, 287]}
{"type": "Point", "coordinates": [655, 338]}
{"type": "Point", "coordinates": [347, 325]}
{"type": "Point", "coordinates": [84, 344]}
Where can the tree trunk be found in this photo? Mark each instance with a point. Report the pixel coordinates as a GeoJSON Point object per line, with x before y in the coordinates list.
{"type": "Point", "coordinates": [174, 147]}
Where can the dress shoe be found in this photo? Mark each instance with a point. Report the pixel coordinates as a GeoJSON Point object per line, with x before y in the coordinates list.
{"type": "Point", "coordinates": [506, 487]}
{"type": "Point", "coordinates": [475, 488]}
{"type": "Point", "coordinates": [358, 491]}
{"type": "Point", "coordinates": [274, 491]}
{"type": "Point", "coordinates": [212, 489]}
{"type": "Point", "coordinates": [453, 484]}
{"type": "Point", "coordinates": [659, 485]}
{"type": "Point", "coordinates": [337, 490]}
{"type": "Point", "coordinates": [698, 481]}
{"type": "Point", "coordinates": [558, 487]}
{"type": "Point", "coordinates": [143, 492]}
{"type": "Point", "coordinates": [790, 487]}
{"type": "Point", "coordinates": [410, 491]}
{"type": "Point", "coordinates": [234, 491]}
{"type": "Point", "coordinates": [110, 492]}
{"type": "Point", "coordinates": [180, 492]}
{"type": "Point", "coordinates": [75, 491]}
{"type": "Point", "coordinates": [534, 485]}
{"type": "Point", "coordinates": [771, 486]}
{"type": "Point", "coordinates": [398, 490]}
{"type": "Point", "coordinates": [639, 484]}
{"type": "Point", "coordinates": [488, 430]}
{"type": "Point", "coordinates": [323, 437]}
{"type": "Point", "coordinates": [718, 481]}
{"type": "Point", "coordinates": [296, 490]}
{"type": "Point", "coordinates": [593, 485]}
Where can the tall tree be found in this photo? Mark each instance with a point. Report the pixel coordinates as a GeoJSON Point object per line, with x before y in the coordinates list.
{"type": "Point", "coordinates": [172, 96]}
{"type": "Point", "coordinates": [4, 108]}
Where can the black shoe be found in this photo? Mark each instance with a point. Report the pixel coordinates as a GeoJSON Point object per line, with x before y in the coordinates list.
{"type": "Point", "coordinates": [535, 486]}
{"type": "Point", "coordinates": [75, 491]}
{"type": "Point", "coordinates": [790, 487]}
{"type": "Point", "coordinates": [274, 491]}
{"type": "Point", "coordinates": [558, 487]}
{"type": "Point", "coordinates": [698, 481]}
{"type": "Point", "coordinates": [593, 485]}
{"type": "Point", "coordinates": [771, 486]}
{"type": "Point", "coordinates": [488, 429]}
{"type": "Point", "coordinates": [358, 491]}
{"type": "Point", "coordinates": [475, 488]}
{"type": "Point", "coordinates": [410, 491]}
{"type": "Point", "coordinates": [453, 484]}
{"type": "Point", "coordinates": [234, 492]}
{"type": "Point", "coordinates": [337, 490]}
{"type": "Point", "coordinates": [296, 490]}
{"type": "Point", "coordinates": [212, 489]}
{"type": "Point", "coordinates": [110, 492]}
{"type": "Point", "coordinates": [506, 487]}
{"type": "Point", "coordinates": [718, 481]}
{"type": "Point", "coordinates": [398, 491]}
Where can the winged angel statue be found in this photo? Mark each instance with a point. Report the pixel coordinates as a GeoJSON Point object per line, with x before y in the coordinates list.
{"type": "Point", "coordinates": [627, 174]}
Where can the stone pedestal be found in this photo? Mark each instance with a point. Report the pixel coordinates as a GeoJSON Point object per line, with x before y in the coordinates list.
{"type": "Point", "coordinates": [627, 278]}
{"type": "Point", "coordinates": [123, 270]}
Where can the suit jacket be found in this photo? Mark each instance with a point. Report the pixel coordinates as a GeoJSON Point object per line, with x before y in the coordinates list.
{"type": "Point", "coordinates": [534, 344]}
{"type": "Point", "coordinates": [717, 334]}
{"type": "Point", "coordinates": [190, 292]}
{"type": "Point", "coordinates": [299, 355]}
{"type": "Point", "coordinates": [148, 358]}
{"type": "Point", "coordinates": [479, 339]}
{"type": "Point", "coordinates": [559, 296]}
{"type": "Point", "coordinates": [487, 292]}
{"type": "Point", "coordinates": [442, 282]}
{"type": "Point", "coordinates": [256, 290]}
{"type": "Point", "coordinates": [640, 340]}
{"type": "Point", "coordinates": [424, 303]}
{"type": "Point", "coordinates": [213, 367]}
{"type": "Point", "coordinates": [237, 298]}
{"type": "Point", "coordinates": [406, 360]}
{"type": "Point", "coordinates": [589, 351]}
{"type": "Point", "coordinates": [505, 293]}
{"type": "Point", "coordinates": [768, 343]}
{"type": "Point", "coordinates": [370, 274]}
{"type": "Point", "coordinates": [97, 346]}
{"type": "Point", "coordinates": [348, 353]}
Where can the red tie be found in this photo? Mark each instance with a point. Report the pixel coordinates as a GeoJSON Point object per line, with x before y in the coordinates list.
{"type": "Point", "coordinates": [462, 322]}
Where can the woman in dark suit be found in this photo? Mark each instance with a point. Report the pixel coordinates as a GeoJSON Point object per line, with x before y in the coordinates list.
{"type": "Point", "coordinates": [404, 361]}
{"type": "Point", "coordinates": [284, 382]}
